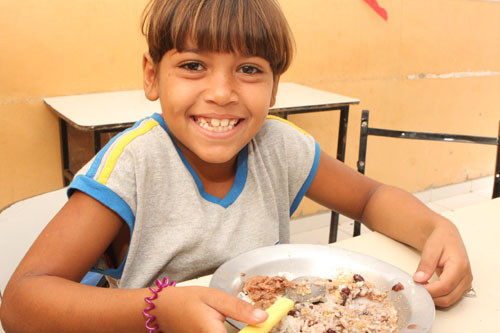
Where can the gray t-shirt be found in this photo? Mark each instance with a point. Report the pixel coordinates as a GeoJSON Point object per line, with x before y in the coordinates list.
{"type": "Point", "coordinates": [177, 229]}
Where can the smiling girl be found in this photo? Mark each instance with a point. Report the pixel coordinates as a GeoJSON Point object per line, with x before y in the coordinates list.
{"type": "Point", "coordinates": [178, 194]}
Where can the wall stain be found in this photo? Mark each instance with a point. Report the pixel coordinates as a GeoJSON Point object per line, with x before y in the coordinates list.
{"type": "Point", "coordinates": [421, 76]}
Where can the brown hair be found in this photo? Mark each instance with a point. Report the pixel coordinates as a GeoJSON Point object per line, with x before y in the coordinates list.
{"type": "Point", "coordinates": [251, 27]}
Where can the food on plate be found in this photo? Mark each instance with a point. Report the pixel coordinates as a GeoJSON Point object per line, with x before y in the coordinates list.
{"type": "Point", "coordinates": [398, 287]}
{"type": "Point", "coordinates": [264, 290]}
{"type": "Point", "coordinates": [351, 305]}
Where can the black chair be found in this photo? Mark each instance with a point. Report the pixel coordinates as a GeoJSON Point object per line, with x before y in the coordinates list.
{"type": "Point", "coordinates": [366, 131]}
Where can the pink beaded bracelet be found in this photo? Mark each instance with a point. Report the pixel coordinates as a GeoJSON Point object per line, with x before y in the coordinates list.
{"type": "Point", "coordinates": [150, 318]}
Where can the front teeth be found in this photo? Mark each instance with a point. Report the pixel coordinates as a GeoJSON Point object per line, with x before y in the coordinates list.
{"type": "Point", "coordinates": [216, 125]}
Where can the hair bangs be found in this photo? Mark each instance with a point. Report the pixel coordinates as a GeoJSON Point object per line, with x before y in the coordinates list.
{"type": "Point", "coordinates": [249, 27]}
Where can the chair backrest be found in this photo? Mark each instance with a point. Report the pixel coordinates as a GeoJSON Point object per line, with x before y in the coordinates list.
{"type": "Point", "coordinates": [20, 225]}
{"type": "Point", "coordinates": [366, 131]}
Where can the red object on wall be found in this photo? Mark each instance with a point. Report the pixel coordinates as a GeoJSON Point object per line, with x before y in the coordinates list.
{"type": "Point", "coordinates": [381, 11]}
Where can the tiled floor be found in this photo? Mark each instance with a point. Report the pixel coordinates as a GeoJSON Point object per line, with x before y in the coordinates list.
{"type": "Point", "coordinates": [314, 229]}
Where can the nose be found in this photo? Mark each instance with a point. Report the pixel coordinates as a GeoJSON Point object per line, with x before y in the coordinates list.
{"type": "Point", "coordinates": [221, 89]}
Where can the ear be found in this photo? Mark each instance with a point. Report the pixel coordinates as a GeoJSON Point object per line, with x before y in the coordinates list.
{"type": "Point", "coordinates": [149, 69]}
{"type": "Point", "coordinates": [275, 90]}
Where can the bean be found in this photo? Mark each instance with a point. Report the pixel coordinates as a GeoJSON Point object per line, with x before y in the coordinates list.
{"type": "Point", "coordinates": [344, 299]}
{"type": "Point", "coordinates": [398, 287]}
{"type": "Point", "coordinates": [358, 278]}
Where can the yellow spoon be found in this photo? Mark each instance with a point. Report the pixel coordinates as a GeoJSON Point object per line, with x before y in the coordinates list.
{"type": "Point", "coordinates": [278, 310]}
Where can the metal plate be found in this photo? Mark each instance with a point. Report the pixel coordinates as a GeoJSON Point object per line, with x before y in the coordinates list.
{"type": "Point", "coordinates": [415, 307]}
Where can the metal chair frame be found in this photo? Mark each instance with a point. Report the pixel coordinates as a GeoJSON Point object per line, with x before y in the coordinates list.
{"type": "Point", "coordinates": [366, 131]}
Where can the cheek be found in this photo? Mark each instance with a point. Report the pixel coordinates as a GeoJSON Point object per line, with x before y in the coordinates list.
{"type": "Point", "coordinates": [264, 100]}
{"type": "Point", "coordinates": [173, 100]}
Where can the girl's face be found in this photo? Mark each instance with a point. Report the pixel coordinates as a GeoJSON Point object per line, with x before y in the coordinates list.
{"type": "Point", "coordinates": [213, 103]}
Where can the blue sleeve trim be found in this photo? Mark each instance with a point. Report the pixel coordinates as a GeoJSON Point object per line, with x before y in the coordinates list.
{"type": "Point", "coordinates": [308, 181]}
{"type": "Point", "coordinates": [91, 279]}
{"type": "Point", "coordinates": [111, 200]}
{"type": "Point", "coordinates": [104, 195]}
{"type": "Point", "coordinates": [113, 272]}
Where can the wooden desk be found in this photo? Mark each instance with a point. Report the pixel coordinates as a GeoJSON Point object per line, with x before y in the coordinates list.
{"type": "Point", "coordinates": [471, 314]}
{"type": "Point", "coordinates": [115, 111]}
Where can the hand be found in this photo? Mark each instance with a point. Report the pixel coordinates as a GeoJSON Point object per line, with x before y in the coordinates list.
{"type": "Point", "coordinates": [202, 309]}
{"type": "Point", "coordinates": [444, 254]}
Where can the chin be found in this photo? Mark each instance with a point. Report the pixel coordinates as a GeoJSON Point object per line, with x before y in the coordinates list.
{"type": "Point", "coordinates": [217, 158]}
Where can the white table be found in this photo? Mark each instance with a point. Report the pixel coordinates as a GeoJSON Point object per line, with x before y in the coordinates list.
{"type": "Point", "coordinates": [479, 225]}
{"type": "Point", "coordinates": [114, 111]}
{"type": "Point", "coordinates": [20, 225]}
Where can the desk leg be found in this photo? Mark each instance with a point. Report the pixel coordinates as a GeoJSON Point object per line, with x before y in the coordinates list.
{"type": "Point", "coordinates": [496, 181]}
{"type": "Point", "coordinates": [97, 141]}
{"type": "Point", "coordinates": [64, 150]}
{"type": "Point", "coordinates": [342, 140]}
{"type": "Point", "coordinates": [282, 114]}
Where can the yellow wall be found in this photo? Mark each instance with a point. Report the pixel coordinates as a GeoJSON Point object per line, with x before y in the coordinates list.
{"type": "Point", "coordinates": [52, 48]}
{"type": "Point", "coordinates": [344, 47]}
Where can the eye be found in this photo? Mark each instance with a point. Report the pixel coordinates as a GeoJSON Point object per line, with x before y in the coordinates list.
{"type": "Point", "coordinates": [192, 66]}
{"type": "Point", "coordinates": [249, 69]}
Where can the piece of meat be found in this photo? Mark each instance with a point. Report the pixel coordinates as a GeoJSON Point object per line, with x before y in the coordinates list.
{"type": "Point", "coordinates": [263, 290]}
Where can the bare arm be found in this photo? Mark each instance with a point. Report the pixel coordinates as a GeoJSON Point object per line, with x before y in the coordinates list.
{"type": "Point", "coordinates": [402, 217]}
{"type": "Point", "coordinates": [44, 295]}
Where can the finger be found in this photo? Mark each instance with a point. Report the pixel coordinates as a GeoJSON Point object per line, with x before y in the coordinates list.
{"type": "Point", "coordinates": [216, 326]}
{"type": "Point", "coordinates": [454, 296]}
{"type": "Point", "coordinates": [428, 263]}
{"type": "Point", "coordinates": [234, 307]}
{"type": "Point", "coordinates": [451, 277]}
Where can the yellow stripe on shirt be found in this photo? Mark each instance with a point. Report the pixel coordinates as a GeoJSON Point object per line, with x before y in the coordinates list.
{"type": "Point", "coordinates": [288, 122]}
{"type": "Point", "coordinates": [118, 149]}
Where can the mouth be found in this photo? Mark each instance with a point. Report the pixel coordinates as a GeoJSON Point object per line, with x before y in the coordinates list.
{"type": "Point", "coordinates": [216, 124]}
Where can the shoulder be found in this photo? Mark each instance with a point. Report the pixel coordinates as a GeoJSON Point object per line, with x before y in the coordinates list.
{"type": "Point", "coordinates": [283, 140]}
{"type": "Point", "coordinates": [144, 128]}
{"type": "Point", "coordinates": [279, 127]}
{"type": "Point", "coordinates": [125, 147]}
{"type": "Point", "coordinates": [282, 132]}
{"type": "Point", "coordinates": [143, 138]}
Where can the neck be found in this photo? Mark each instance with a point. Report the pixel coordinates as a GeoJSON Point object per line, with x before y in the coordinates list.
{"type": "Point", "coordinates": [217, 178]}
